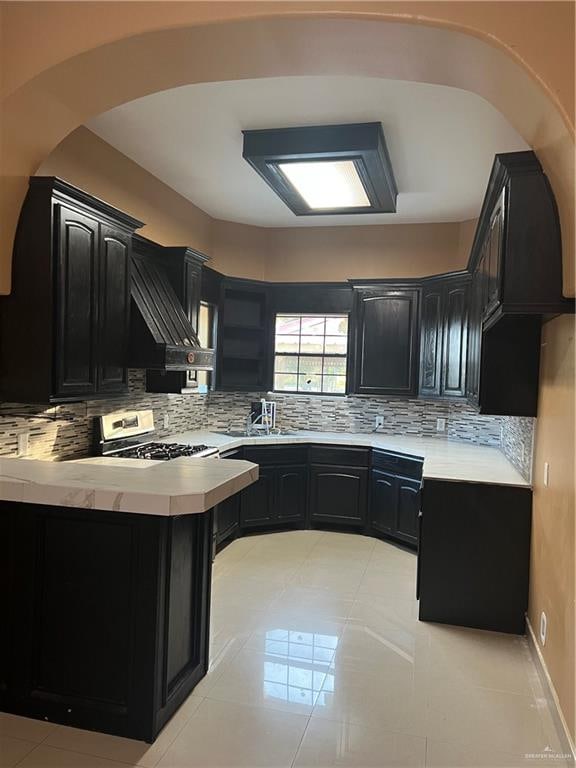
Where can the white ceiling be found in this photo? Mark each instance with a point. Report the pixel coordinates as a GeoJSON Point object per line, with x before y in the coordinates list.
{"type": "Point", "coordinates": [441, 143]}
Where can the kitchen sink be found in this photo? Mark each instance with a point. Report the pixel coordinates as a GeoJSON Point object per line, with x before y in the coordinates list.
{"type": "Point", "coordinates": [242, 433]}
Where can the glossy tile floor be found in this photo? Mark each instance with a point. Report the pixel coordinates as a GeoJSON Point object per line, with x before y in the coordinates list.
{"type": "Point", "coordinates": [318, 659]}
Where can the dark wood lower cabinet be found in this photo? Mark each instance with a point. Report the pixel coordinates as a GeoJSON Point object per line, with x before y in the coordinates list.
{"type": "Point", "coordinates": [474, 555]}
{"type": "Point", "coordinates": [395, 482]}
{"type": "Point", "coordinates": [227, 513]}
{"type": "Point", "coordinates": [383, 502]}
{"type": "Point", "coordinates": [277, 498]}
{"type": "Point", "coordinates": [338, 495]}
{"type": "Point", "coordinates": [109, 616]}
{"type": "Point", "coordinates": [257, 504]}
{"type": "Point", "coordinates": [408, 509]}
{"type": "Point", "coordinates": [291, 493]}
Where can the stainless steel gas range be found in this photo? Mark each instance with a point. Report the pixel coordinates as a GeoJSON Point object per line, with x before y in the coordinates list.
{"type": "Point", "coordinates": [129, 435]}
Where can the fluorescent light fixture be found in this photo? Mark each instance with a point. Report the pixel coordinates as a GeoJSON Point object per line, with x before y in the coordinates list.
{"type": "Point", "coordinates": [325, 169]}
{"type": "Point", "coordinates": [327, 184]}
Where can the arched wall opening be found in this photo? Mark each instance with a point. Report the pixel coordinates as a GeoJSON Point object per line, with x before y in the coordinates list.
{"type": "Point", "coordinates": [42, 110]}
{"type": "Point", "coordinates": [40, 114]}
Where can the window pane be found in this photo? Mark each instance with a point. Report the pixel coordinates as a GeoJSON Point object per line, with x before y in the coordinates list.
{"type": "Point", "coordinates": [285, 364]}
{"type": "Point", "coordinates": [310, 364]}
{"type": "Point", "coordinates": [337, 326]}
{"type": "Point", "coordinates": [312, 344]}
{"type": "Point", "coordinates": [336, 345]}
{"type": "Point", "coordinates": [287, 324]}
{"type": "Point", "coordinates": [334, 384]}
{"type": "Point", "coordinates": [313, 325]}
{"type": "Point", "coordinates": [309, 382]}
{"type": "Point", "coordinates": [335, 365]}
{"type": "Point", "coordinates": [310, 353]}
{"type": "Point", "coordinates": [287, 343]}
{"type": "Point", "coordinates": [285, 381]}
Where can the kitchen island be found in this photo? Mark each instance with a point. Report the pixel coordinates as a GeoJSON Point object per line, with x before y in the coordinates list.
{"type": "Point", "coordinates": [105, 577]}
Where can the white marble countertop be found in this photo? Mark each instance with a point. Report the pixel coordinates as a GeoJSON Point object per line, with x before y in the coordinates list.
{"type": "Point", "coordinates": [192, 486]}
{"type": "Point", "coordinates": [168, 488]}
{"type": "Point", "coordinates": [443, 459]}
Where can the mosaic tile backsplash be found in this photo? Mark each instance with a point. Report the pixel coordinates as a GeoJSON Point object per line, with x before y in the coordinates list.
{"type": "Point", "coordinates": [70, 434]}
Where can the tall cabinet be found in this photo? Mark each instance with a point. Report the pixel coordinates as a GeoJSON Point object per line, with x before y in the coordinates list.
{"type": "Point", "coordinates": [71, 294]}
{"type": "Point", "coordinates": [516, 268]}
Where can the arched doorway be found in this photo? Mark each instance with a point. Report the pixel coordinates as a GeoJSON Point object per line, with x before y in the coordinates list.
{"type": "Point", "coordinates": [42, 112]}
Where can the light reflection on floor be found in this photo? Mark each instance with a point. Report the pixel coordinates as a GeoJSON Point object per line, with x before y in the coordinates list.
{"type": "Point", "coordinates": [297, 666]}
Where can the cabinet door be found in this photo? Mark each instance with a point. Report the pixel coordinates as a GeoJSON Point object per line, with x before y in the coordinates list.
{"type": "Point", "coordinates": [494, 257]}
{"type": "Point", "coordinates": [386, 351]}
{"type": "Point", "coordinates": [257, 503]}
{"type": "Point", "coordinates": [338, 494]}
{"type": "Point", "coordinates": [114, 314]}
{"type": "Point", "coordinates": [408, 509]}
{"type": "Point", "coordinates": [76, 304]}
{"type": "Point", "coordinates": [431, 341]}
{"type": "Point", "coordinates": [474, 342]}
{"type": "Point", "coordinates": [455, 340]}
{"type": "Point", "coordinates": [291, 493]}
{"type": "Point", "coordinates": [383, 501]}
{"type": "Point", "coordinates": [227, 518]}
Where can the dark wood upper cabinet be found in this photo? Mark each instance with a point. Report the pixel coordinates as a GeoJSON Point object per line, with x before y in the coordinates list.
{"type": "Point", "coordinates": [385, 350]}
{"type": "Point", "coordinates": [517, 249]}
{"type": "Point", "coordinates": [183, 267]}
{"type": "Point", "coordinates": [455, 338]}
{"type": "Point", "coordinates": [444, 336]}
{"type": "Point", "coordinates": [71, 294]}
{"type": "Point", "coordinates": [431, 339]}
{"type": "Point", "coordinates": [516, 268]}
{"type": "Point", "coordinates": [114, 308]}
{"type": "Point", "coordinates": [77, 276]}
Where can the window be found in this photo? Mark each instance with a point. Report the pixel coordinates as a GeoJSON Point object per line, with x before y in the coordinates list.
{"type": "Point", "coordinates": [310, 353]}
{"type": "Point", "coordinates": [205, 331]}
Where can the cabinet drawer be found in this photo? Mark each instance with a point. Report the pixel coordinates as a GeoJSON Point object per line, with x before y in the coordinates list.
{"type": "Point", "coordinates": [277, 454]}
{"type": "Point", "coordinates": [344, 457]}
{"type": "Point", "coordinates": [397, 463]}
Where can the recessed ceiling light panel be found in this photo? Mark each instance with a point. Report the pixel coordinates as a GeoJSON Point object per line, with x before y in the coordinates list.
{"type": "Point", "coordinates": [325, 169]}
{"type": "Point", "coordinates": [327, 183]}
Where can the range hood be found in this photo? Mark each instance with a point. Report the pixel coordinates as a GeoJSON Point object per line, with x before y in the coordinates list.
{"type": "Point", "coordinates": [161, 335]}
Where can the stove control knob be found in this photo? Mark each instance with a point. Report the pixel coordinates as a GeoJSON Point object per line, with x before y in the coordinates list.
{"type": "Point", "coordinates": [190, 357]}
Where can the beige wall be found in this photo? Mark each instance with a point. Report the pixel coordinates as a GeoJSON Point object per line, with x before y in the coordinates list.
{"type": "Point", "coordinates": [339, 253]}
{"type": "Point", "coordinates": [518, 55]}
{"type": "Point", "coordinates": [552, 577]}
{"type": "Point", "coordinates": [90, 163]}
{"type": "Point", "coordinates": [62, 63]}
{"type": "Point", "coordinates": [239, 250]}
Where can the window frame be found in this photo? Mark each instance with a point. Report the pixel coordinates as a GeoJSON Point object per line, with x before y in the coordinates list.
{"type": "Point", "coordinates": [345, 357]}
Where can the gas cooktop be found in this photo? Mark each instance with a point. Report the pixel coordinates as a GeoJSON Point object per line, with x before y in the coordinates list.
{"type": "Point", "coordinates": [123, 435]}
{"type": "Point", "coordinates": [165, 451]}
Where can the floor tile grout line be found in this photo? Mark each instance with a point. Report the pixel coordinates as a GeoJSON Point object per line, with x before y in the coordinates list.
{"type": "Point", "coordinates": [184, 724]}
{"type": "Point", "coordinates": [304, 732]}
{"type": "Point", "coordinates": [27, 754]}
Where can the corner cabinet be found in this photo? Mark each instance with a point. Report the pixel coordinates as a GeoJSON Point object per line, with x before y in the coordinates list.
{"type": "Point", "coordinates": [385, 341]}
{"type": "Point", "coordinates": [516, 268]}
{"type": "Point", "coordinates": [71, 291]}
{"type": "Point", "coordinates": [395, 482]}
{"type": "Point", "coordinates": [444, 336]}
